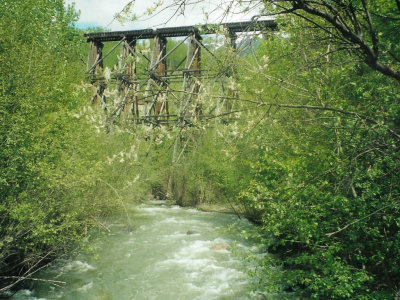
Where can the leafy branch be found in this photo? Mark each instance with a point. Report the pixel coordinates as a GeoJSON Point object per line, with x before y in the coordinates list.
{"type": "Point", "coordinates": [344, 24]}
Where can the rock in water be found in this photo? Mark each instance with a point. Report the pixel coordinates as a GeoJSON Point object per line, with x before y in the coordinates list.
{"type": "Point", "coordinates": [220, 247]}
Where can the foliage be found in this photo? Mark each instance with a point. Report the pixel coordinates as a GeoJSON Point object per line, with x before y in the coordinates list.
{"type": "Point", "coordinates": [298, 135]}
{"type": "Point", "coordinates": [53, 173]}
{"type": "Point", "coordinates": [325, 181]}
{"type": "Point", "coordinates": [363, 28]}
{"type": "Point", "coordinates": [310, 151]}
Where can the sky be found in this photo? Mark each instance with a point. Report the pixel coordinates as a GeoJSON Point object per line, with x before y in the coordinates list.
{"type": "Point", "coordinates": [101, 13]}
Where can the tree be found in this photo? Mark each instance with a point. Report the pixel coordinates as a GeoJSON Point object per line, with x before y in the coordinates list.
{"type": "Point", "coordinates": [366, 28]}
{"type": "Point", "coordinates": [49, 153]}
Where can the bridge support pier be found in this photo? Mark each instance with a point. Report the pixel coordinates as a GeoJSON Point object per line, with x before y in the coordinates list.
{"type": "Point", "coordinates": [157, 73]}
{"type": "Point", "coordinates": [187, 111]}
{"type": "Point", "coordinates": [191, 86]}
{"type": "Point", "coordinates": [129, 89]}
{"type": "Point", "coordinates": [230, 41]}
{"type": "Point", "coordinates": [95, 55]}
{"type": "Point", "coordinates": [95, 64]}
{"type": "Point", "coordinates": [195, 55]}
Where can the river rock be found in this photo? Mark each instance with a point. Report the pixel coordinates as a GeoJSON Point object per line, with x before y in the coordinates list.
{"type": "Point", "coordinates": [189, 232]}
{"type": "Point", "coordinates": [220, 247]}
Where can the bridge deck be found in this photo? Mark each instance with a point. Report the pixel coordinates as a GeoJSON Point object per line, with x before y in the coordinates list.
{"type": "Point", "coordinates": [180, 31]}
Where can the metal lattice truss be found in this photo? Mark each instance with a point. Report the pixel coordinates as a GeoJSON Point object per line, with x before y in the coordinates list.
{"type": "Point", "coordinates": [160, 95]}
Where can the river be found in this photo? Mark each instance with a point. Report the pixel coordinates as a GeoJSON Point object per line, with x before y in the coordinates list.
{"type": "Point", "coordinates": [171, 253]}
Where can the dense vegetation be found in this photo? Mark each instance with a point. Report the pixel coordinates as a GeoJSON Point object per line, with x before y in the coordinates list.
{"type": "Point", "coordinates": [52, 175]}
{"type": "Point", "coordinates": [310, 151]}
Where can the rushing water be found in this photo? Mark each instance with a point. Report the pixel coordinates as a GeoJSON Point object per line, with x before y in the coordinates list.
{"type": "Point", "coordinates": [172, 253]}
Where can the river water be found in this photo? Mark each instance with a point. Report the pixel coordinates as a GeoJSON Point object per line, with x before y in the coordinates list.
{"type": "Point", "coordinates": [171, 253]}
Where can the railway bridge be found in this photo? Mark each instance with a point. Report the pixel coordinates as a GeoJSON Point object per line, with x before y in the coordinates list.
{"type": "Point", "coordinates": [158, 95]}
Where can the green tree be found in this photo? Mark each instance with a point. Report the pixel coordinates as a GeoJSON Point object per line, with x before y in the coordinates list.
{"type": "Point", "coordinates": [50, 160]}
{"type": "Point", "coordinates": [325, 179]}
{"type": "Point", "coordinates": [363, 28]}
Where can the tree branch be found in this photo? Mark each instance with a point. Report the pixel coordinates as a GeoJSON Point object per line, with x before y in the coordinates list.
{"type": "Point", "coordinates": [354, 36]}
{"type": "Point", "coordinates": [371, 29]}
{"type": "Point", "coordinates": [398, 4]}
{"type": "Point", "coordinates": [359, 220]}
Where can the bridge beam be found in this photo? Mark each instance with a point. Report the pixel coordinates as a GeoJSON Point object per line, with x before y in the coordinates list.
{"type": "Point", "coordinates": [182, 31]}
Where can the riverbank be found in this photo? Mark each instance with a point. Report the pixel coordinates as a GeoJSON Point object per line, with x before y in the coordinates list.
{"type": "Point", "coordinates": [215, 207]}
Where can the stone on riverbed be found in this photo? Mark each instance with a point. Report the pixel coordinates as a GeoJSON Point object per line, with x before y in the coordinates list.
{"type": "Point", "coordinates": [220, 247]}
{"type": "Point", "coordinates": [189, 232]}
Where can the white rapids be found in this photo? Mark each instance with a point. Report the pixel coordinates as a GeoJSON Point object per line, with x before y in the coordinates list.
{"type": "Point", "coordinates": [172, 253]}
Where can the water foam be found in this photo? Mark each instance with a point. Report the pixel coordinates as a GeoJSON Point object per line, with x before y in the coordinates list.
{"type": "Point", "coordinates": [86, 287]}
{"type": "Point", "coordinates": [168, 256]}
{"type": "Point", "coordinates": [77, 266]}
